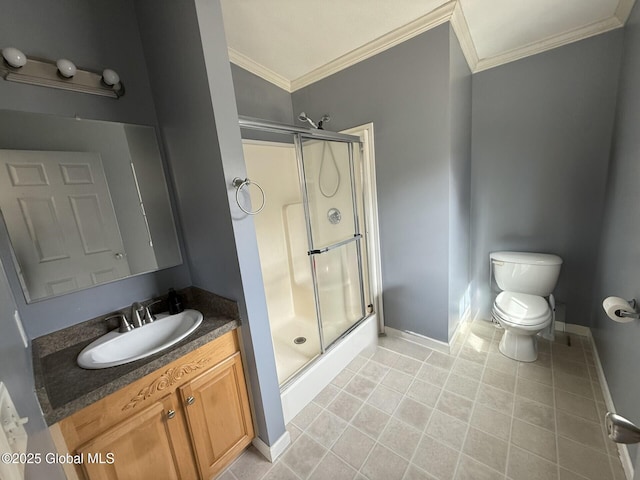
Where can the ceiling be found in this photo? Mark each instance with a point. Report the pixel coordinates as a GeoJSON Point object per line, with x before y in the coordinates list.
{"type": "Point", "coordinates": [293, 43]}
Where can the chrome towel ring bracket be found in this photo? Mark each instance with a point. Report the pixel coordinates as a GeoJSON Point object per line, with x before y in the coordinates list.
{"type": "Point", "coordinates": [239, 184]}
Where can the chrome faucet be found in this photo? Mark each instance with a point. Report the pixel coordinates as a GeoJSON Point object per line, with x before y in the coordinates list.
{"type": "Point", "coordinates": [141, 315]}
{"type": "Point", "coordinates": [138, 314]}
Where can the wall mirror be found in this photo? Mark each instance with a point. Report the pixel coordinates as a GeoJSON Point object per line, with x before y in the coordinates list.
{"type": "Point", "coordinates": [84, 202]}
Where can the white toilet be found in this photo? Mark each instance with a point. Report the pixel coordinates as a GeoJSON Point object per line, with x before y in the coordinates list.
{"type": "Point", "coordinates": [521, 308]}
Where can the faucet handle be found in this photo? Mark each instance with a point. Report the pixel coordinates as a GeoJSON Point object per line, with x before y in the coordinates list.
{"type": "Point", "coordinates": [125, 326]}
{"type": "Point", "coordinates": [148, 313]}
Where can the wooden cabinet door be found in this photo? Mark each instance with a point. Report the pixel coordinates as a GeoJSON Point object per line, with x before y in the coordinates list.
{"type": "Point", "coordinates": [218, 415]}
{"type": "Point", "coordinates": [152, 444]}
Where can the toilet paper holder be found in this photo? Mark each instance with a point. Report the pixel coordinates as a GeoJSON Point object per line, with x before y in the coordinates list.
{"type": "Point", "coordinates": [633, 314]}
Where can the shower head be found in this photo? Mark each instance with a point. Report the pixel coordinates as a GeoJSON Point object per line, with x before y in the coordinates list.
{"type": "Point", "coordinates": [303, 118]}
{"type": "Point", "coordinates": [325, 119]}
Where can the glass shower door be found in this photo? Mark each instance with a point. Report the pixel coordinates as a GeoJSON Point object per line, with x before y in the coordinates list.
{"type": "Point", "coordinates": [333, 230]}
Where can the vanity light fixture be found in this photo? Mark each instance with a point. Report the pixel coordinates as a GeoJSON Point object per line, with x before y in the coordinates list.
{"type": "Point", "coordinates": [62, 74]}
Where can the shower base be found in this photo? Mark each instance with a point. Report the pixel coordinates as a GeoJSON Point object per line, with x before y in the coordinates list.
{"type": "Point", "coordinates": [292, 356]}
{"type": "Point", "coordinates": [295, 343]}
{"type": "Point", "coordinates": [300, 390]}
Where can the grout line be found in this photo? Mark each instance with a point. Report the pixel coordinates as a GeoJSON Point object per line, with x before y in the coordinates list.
{"type": "Point", "coordinates": [404, 395]}
{"type": "Point", "coordinates": [513, 417]}
{"type": "Point", "coordinates": [463, 342]}
{"type": "Point", "coordinates": [594, 400]}
{"type": "Point", "coordinates": [348, 423]}
{"type": "Point", "coordinates": [364, 402]}
{"type": "Point", "coordinates": [555, 410]}
{"type": "Point", "coordinates": [231, 473]}
{"type": "Point", "coordinates": [423, 432]}
{"type": "Point", "coordinates": [622, 450]}
{"type": "Point", "coordinates": [366, 459]}
{"type": "Point", "coordinates": [594, 386]}
{"type": "Point", "coordinates": [473, 405]}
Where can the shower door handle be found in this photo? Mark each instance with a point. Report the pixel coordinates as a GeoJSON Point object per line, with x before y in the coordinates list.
{"type": "Point", "coordinates": [357, 236]}
{"type": "Point", "coordinates": [621, 430]}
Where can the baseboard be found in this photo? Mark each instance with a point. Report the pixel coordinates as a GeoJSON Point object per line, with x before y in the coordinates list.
{"type": "Point", "coordinates": [456, 334]}
{"type": "Point", "coordinates": [460, 327]}
{"type": "Point", "coordinates": [61, 446]}
{"type": "Point", "coordinates": [573, 328]}
{"type": "Point", "coordinates": [623, 451]}
{"type": "Point", "coordinates": [419, 339]}
{"type": "Point", "coordinates": [272, 452]}
{"type": "Point", "coordinates": [429, 342]}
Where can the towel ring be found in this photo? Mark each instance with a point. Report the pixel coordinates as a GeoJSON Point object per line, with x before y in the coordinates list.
{"type": "Point", "coordinates": [239, 184]}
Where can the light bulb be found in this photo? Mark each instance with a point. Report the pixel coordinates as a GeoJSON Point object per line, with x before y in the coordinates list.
{"type": "Point", "coordinates": [66, 68]}
{"type": "Point", "coordinates": [14, 57]}
{"type": "Point", "coordinates": [110, 77]}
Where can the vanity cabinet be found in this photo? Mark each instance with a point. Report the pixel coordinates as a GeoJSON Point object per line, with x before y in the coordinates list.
{"type": "Point", "coordinates": [187, 420]}
{"type": "Point", "coordinates": [217, 414]}
{"type": "Point", "coordinates": [145, 446]}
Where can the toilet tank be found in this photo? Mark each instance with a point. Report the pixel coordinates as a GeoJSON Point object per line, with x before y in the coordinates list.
{"type": "Point", "coordinates": [525, 272]}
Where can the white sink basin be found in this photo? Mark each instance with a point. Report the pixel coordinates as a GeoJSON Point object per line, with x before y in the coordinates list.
{"type": "Point", "coordinates": [117, 348]}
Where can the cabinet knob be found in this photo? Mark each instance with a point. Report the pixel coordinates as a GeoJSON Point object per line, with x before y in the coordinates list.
{"type": "Point", "coordinates": [171, 414]}
{"type": "Point", "coordinates": [190, 400]}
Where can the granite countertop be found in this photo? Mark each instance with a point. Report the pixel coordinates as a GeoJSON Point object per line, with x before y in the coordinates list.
{"type": "Point", "coordinates": [63, 387]}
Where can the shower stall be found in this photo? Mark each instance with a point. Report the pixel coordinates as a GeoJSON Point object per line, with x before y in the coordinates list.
{"type": "Point", "coordinates": [307, 189]}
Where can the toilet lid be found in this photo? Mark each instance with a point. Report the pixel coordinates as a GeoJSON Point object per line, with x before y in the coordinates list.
{"type": "Point", "coordinates": [522, 308]}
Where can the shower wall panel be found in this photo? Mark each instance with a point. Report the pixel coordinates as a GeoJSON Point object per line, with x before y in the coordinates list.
{"type": "Point", "coordinates": [282, 243]}
{"type": "Point", "coordinates": [274, 169]}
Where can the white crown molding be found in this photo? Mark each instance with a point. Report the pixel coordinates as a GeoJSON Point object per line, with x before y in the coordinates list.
{"type": "Point", "coordinates": [549, 43]}
{"type": "Point", "coordinates": [437, 17]}
{"type": "Point", "coordinates": [258, 69]}
{"type": "Point", "coordinates": [451, 12]}
{"type": "Point", "coordinates": [624, 10]}
{"type": "Point", "coordinates": [461, 29]}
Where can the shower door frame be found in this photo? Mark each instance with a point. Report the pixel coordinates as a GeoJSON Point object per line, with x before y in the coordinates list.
{"type": "Point", "coordinates": [312, 252]}
{"type": "Point", "coordinates": [253, 123]}
{"type": "Point", "coordinates": [374, 285]}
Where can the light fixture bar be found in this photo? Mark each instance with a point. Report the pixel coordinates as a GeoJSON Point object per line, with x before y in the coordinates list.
{"type": "Point", "coordinates": [45, 74]}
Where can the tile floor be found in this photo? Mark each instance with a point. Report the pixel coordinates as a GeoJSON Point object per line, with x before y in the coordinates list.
{"type": "Point", "coordinates": [404, 412]}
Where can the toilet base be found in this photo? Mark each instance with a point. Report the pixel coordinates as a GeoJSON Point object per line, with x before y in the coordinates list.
{"type": "Point", "coordinates": [523, 348]}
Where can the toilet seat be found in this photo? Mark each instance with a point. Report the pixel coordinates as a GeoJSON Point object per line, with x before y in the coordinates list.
{"type": "Point", "coordinates": [522, 309]}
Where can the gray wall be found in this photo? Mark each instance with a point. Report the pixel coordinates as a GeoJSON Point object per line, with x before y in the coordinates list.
{"type": "Point", "coordinates": [94, 35]}
{"type": "Point", "coordinates": [17, 375]}
{"type": "Point", "coordinates": [199, 124]}
{"type": "Point", "coordinates": [88, 40]}
{"type": "Point", "coordinates": [619, 260]}
{"type": "Point", "coordinates": [405, 92]}
{"type": "Point", "coordinates": [255, 97]}
{"type": "Point", "coordinates": [459, 183]}
{"type": "Point", "coordinates": [541, 135]}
